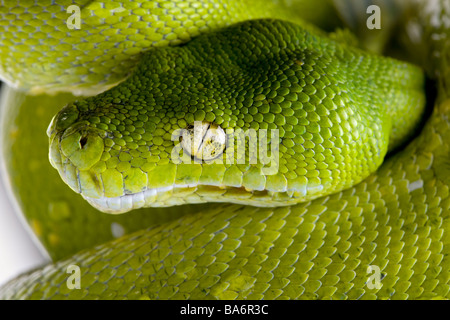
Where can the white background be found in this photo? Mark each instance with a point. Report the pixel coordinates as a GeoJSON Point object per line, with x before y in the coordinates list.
{"type": "Point", "coordinates": [18, 251]}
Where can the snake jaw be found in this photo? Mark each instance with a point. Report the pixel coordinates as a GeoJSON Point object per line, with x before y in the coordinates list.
{"type": "Point", "coordinates": [128, 202]}
{"type": "Point", "coordinates": [178, 194]}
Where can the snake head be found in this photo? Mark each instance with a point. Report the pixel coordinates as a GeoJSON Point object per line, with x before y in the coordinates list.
{"type": "Point", "coordinates": [311, 116]}
{"type": "Point", "coordinates": [75, 148]}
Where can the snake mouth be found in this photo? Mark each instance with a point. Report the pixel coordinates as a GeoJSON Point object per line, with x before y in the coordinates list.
{"type": "Point", "coordinates": [191, 194]}
{"type": "Point", "coordinates": [156, 197]}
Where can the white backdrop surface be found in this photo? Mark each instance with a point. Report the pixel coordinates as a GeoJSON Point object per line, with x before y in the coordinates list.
{"type": "Point", "coordinates": [18, 250]}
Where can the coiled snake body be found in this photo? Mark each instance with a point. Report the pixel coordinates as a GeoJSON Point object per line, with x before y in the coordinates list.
{"type": "Point", "coordinates": [317, 226]}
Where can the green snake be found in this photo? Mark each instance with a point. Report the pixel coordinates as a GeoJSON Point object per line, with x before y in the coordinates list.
{"type": "Point", "coordinates": [333, 209]}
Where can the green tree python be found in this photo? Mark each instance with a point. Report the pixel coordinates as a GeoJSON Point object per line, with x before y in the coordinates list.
{"type": "Point", "coordinates": [325, 112]}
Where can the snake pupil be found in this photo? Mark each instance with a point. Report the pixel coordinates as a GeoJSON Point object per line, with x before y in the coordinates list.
{"type": "Point", "coordinates": [204, 141]}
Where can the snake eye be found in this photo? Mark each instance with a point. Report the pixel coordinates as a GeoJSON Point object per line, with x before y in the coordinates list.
{"type": "Point", "coordinates": [204, 140]}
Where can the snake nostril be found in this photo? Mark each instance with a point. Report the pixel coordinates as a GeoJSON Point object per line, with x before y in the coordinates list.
{"type": "Point", "coordinates": [83, 142]}
{"type": "Point", "coordinates": [82, 146]}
